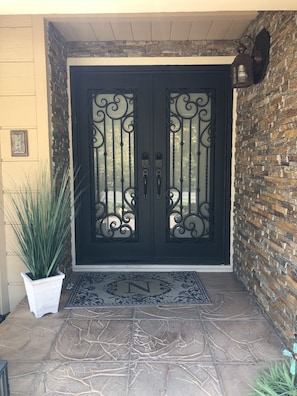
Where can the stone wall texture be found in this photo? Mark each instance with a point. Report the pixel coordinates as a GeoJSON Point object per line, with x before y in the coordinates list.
{"type": "Point", "coordinates": [150, 48]}
{"type": "Point", "coordinates": [59, 101]}
{"type": "Point", "coordinates": [265, 235]}
{"type": "Point", "coordinates": [59, 104]}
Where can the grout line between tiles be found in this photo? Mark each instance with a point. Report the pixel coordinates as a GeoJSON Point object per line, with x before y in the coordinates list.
{"type": "Point", "coordinates": [213, 358]}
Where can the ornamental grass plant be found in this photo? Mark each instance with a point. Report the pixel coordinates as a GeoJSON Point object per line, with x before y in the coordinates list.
{"type": "Point", "coordinates": [43, 213]}
{"type": "Point", "coordinates": [277, 381]}
{"type": "Point", "coordinates": [280, 379]}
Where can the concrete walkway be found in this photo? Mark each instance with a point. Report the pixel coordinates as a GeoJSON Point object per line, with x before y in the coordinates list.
{"type": "Point", "coordinates": [146, 351]}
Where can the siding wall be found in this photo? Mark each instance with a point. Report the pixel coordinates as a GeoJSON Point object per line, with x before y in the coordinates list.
{"type": "Point", "coordinates": [23, 105]}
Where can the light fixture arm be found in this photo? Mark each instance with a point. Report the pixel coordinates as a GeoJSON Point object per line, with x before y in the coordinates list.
{"type": "Point", "coordinates": [246, 37]}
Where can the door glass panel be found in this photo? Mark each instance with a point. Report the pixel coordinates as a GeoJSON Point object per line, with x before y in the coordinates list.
{"type": "Point", "coordinates": [113, 126]}
{"type": "Point", "coordinates": [190, 139]}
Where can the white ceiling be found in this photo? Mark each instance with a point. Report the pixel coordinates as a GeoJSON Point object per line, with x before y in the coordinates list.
{"type": "Point", "coordinates": [154, 27]}
{"type": "Point", "coordinates": [78, 7]}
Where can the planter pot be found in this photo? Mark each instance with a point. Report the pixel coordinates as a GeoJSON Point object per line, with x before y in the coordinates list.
{"type": "Point", "coordinates": [43, 294]}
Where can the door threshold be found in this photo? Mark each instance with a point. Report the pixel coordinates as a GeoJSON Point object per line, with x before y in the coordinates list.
{"type": "Point", "coordinates": [151, 267]}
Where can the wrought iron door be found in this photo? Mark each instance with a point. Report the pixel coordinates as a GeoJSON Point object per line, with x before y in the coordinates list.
{"type": "Point", "coordinates": [112, 118]}
{"type": "Point", "coordinates": [153, 147]}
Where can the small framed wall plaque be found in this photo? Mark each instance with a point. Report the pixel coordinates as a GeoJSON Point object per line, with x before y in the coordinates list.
{"type": "Point", "coordinates": [19, 143]}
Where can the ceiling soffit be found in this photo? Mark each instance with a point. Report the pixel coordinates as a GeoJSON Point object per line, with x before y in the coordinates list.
{"type": "Point", "coordinates": [152, 27]}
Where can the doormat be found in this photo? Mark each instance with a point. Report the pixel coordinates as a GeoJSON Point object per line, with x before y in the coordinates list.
{"type": "Point", "coordinates": [106, 289]}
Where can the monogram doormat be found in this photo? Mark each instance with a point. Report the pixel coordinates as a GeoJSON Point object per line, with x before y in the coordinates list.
{"type": "Point", "coordinates": [106, 289]}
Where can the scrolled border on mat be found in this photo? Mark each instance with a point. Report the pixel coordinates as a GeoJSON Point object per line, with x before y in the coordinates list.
{"type": "Point", "coordinates": [100, 289]}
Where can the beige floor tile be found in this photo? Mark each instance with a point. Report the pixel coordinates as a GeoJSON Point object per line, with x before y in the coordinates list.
{"type": "Point", "coordinates": [28, 340]}
{"type": "Point", "coordinates": [165, 340]}
{"type": "Point", "coordinates": [238, 379]}
{"type": "Point", "coordinates": [243, 341]}
{"type": "Point", "coordinates": [168, 312]}
{"type": "Point", "coordinates": [103, 313]}
{"type": "Point", "coordinates": [211, 350]}
{"type": "Point", "coordinates": [22, 376]}
{"type": "Point", "coordinates": [83, 379]}
{"type": "Point", "coordinates": [224, 282]}
{"type": "Point", "coordinates": [184, 379]}
{"type": "Point", "coordinates": [230, 306]}
{"type": "Point", "coordinates": [93, 340]}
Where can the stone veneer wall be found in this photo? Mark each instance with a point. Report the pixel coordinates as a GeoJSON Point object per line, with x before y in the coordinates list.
{"type": "Point", "coordinates": [150, 48]}
{"type": "Point", "coordinates": [265, 216]}
{"type": "Point", "coordinates": [59, 101]}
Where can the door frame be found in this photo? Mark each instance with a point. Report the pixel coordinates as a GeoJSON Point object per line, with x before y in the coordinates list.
{"type": "Point", "coordinates": [143, 61]}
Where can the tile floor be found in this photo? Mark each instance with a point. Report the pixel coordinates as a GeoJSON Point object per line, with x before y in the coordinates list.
{"type": "Point", "coordinates": [191, 350]}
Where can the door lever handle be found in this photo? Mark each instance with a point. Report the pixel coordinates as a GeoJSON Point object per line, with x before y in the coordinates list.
{"type": "Point", "coordinates": [145, 174]}
{"type": "Point", "coordinates": [145, 163]}
{"type": "Point", "coordinates": [158, 164]}
{"type": "Point", "coordinates": [159, 182]}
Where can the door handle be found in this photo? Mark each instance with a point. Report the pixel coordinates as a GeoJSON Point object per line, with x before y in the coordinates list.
{"type": "Point", "coordinates": [158, 164]}
{"type": "Point", "coordinates": [145, 163]}
{"type": "Point", "coordinates": [159, 182]}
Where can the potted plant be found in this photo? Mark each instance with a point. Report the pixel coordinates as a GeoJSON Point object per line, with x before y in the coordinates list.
{"type": "Point", "coordinates": [43, 213]}
{"type": "Point", "coordinates": [280, 379]}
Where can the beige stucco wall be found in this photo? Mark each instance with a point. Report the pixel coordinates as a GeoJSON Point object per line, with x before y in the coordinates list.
{"type": "Point", "coordinates": [23, 105]}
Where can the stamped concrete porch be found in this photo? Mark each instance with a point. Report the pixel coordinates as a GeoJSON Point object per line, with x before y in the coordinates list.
{"type": "Point", "coordinates": [191, 350]}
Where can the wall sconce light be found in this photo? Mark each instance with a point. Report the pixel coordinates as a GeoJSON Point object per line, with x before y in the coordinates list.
{"type": "Point", "coordinates": [250, 69]}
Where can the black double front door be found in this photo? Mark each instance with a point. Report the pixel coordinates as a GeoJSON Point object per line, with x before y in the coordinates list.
{"type": "Point", "coordinates": [152, 145]}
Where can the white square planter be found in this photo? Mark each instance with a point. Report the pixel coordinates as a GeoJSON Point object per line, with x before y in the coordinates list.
{"type": "Point", "coordinates": [43, 294]}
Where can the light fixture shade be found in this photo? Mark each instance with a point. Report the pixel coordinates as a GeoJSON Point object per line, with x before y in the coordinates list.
{"type": "Point", "coordinates": [242, 69]}
{"type": "Point", "coordinates": [250, 69]}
